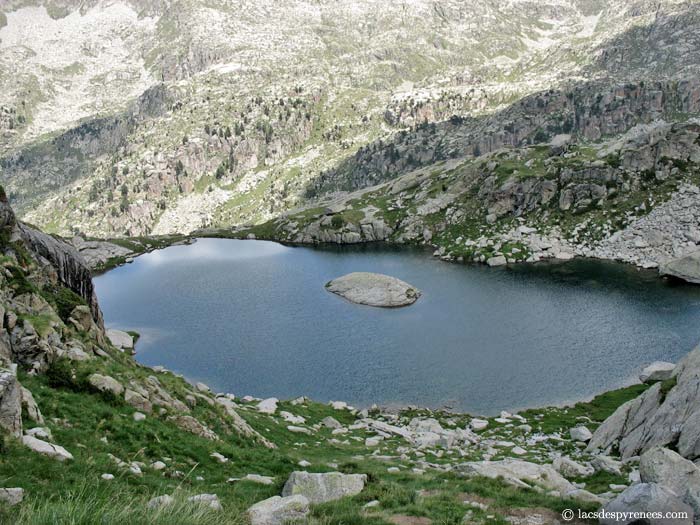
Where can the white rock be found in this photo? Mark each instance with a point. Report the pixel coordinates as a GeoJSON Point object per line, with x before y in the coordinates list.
{"type": "Point", "coordinates": [298, 430]}
{"type": "Point", "coordinates": [158, 465]}
{"type": "Point", "coordinates": [138, 416]}
{"type": "Point", "coordinates": [580, 433]}
{"type": "Point", "coordinates": [478, 424]}
{"type": "Point", "coordinates": [120, 339]}
{"type": "Point", "coordinates": [47, 449]}
{"type": "Point", "coordinates": [263, 480]}
{"type": "Point", "coordinates": [219, 457]}
{"type": "Point", "coordinates": [107, 477]}
{"type": "Point", "coordinates": [268, 406]}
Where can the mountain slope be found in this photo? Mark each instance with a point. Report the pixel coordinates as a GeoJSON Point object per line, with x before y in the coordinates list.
{"type": "Point", "coordinates": [260, 100]}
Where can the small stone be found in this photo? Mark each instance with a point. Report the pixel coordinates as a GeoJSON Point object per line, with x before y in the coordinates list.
{"type": "Point", "coordinates": [138, 416]}
{"type": "Point", "coordinates": [107, 477]}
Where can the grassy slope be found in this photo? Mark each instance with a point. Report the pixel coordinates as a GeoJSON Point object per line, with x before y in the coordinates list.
{"type": "Point", "coordinates": [91, 425]}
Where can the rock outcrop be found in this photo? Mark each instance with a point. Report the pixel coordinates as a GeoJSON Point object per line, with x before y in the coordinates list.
{"type": "Point", "coordinates": [374, 289]}
{"type": "Point", "coordinates": [668, 413]}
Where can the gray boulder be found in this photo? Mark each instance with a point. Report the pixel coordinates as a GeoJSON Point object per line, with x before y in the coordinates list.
{"type": "Point", "coordinates": [120, 339]}
{"type": "Point", "coordinates": [47, 449]}
{"type": "Point", "coordinates": [106, 384]}
{"type": "Point", "coordinates": [11, 496]}
{"type": "Point", "coordinates": [569, 468]}
{"type": "Point", "coordinates": [657, 371]}
{"type": "Point", "coordinates": [646, 497]}
{"type": "Point", "coordinates": [374, 289]}
{"type": "Point", "coordinates": [686, 268]}
{"type": "Point", "coordinates": [160, 501]}
{"type": "Point", "coordinates": [278, 511]}
{"type": "Point", "coordinates": [322, 487]}
{"type": "Point", "coordinates": [210, 501]}
{"type": "Point", "coordinates": [669, 469]}
{"type": "Point", "coordinates": [580, 433]}
{"type": "Point", "coordinates": [10, 403]}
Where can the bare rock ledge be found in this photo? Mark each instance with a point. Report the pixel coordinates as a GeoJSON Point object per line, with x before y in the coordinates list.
{"type": "Point", "coordinates": [374, 289]}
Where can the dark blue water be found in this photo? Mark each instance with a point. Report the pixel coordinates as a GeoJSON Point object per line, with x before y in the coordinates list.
{"type": "Point", "coordinates": [253, 317]}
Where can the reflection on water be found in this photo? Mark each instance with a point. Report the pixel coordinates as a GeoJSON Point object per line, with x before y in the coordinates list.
{"type": "Point", "coordinates": [252, 317]}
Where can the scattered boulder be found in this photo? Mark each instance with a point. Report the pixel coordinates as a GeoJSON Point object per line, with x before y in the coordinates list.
{"type": "Point", "coordinates": [374, 289]}
{"type": "Point", "coordinates": [330, 422]}
{"type": "Point", "coordinates": [519, 473]}
{"type": "Point", "coordinates": [207, 500]}
{"type": "Point", "coordinates": [47, 449]}
{"type": "Point", "coordinates": [278, 511]}
{"type": "Point", "coordinates": [657, 371]}
{"type": "Point", "coordinates": [11, 496]}
{"type": "Point", "coordinates": [478, 424]}
{"type": "Point", "coordinates": [191, 425]}
{"type": "Point", "coordinates": [669, 469]}
{"type": "Point", "coordinates": [138, 401]}
{"type": "Point", "coordinates": [120, 339]}
{"type": "Point", "coordinates": [106, 384]}
{"type": "Point", "coordinates": [580, 433]}
{"type": "Point", "coordinates": [322, 487]}
{"type": "Point", "coordinates": [606, 464]}
{"type": "Point", "coordinates": [647, 498]}
{"type": "Point", "coordinates": [268, 406]}
{"type": "Point", "coordinates": [160, 501]}
{"type": "Point", "coordinates": [569, 468]}
{"type": "Point", "coordinates": [257, 478]}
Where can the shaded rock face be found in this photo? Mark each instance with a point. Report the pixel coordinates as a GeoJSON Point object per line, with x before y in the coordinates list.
{"type": "Point", "coordinates": [71, 270]}
{"type": "Point", "coordinates": [10, 403]}
{"type": "Point", "coordinates": [59, 258]}
{"type": "Point", "coordinates": [319, 488]}
{"type": "Point", "coordinates": [374, 289]}
{"type": "Point", "coordinates": [656, 418]}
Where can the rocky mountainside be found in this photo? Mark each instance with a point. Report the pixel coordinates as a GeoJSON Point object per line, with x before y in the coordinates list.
{"type": "Point", "coordinates": [233, 112]}
{"type": "Point", "coordinates": [87, 433]}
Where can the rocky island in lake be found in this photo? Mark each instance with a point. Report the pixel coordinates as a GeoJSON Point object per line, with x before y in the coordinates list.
{"type": "Point", "coordinates": [374, 289]}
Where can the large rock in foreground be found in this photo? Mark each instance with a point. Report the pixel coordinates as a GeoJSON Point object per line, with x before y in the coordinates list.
{"type": "Point", "coordinates": [278, 511]}
{"type": "Point", "coordinates": [686, 268]}
{"type": "Point", "coordinates": [374, 289]}
{"type": "Point", "coordinates": [328, 486]}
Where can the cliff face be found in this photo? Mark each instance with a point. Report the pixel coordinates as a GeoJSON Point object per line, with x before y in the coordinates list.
{"type": "Point", "coordinates": [60, 261]}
